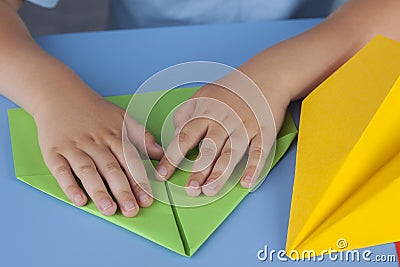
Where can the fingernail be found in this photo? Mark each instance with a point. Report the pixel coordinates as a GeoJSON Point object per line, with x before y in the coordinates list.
{"type": "Point", "coordinates": [247, 179]}
{"type": "Point", "coordinates": [193, 189]}
{"type": "Point", "coordinates": [143, 197]}
{"type": "Point", "coordinates": [78, 198]}
{"type": "Point", "coordinates": [129, 205]}
{"type": "Point", "coordinates": [194, 184]}
{"type": "Point", "coordinates": [106, 204]}
{"type": "Point", "coordinates": [162, 171]}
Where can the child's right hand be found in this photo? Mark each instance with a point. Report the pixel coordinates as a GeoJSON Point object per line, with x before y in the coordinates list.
{"type": "Point", "coordinates": [82, 135]}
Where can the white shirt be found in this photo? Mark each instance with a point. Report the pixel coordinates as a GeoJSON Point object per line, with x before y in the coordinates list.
{"type": "Point", "coordinates": [155, 13]}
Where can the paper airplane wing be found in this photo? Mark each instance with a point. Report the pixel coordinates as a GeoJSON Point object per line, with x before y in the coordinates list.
{"type": "Point", "coordinates": [347, 152]}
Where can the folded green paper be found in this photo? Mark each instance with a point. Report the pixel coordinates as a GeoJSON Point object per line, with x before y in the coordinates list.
{"type": "Point", "coordinates": [180, 229]}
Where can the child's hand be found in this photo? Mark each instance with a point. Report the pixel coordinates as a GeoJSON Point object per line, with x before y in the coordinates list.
{"type": "Point", "coordinates": [83, 136]}
{"type": "Point", "coordinates": [228, 127]}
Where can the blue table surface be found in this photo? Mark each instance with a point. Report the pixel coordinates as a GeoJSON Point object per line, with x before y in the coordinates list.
{"type": "Point", "coordinates": [38, 230]}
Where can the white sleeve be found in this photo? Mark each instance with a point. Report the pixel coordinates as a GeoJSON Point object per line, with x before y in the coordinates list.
{"type": "Point", "coordinates": [45, 3]}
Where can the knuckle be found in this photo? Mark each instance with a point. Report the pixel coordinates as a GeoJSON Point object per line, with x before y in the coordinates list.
{"type": "Point", "coordinates": [178, 113]}
{"type": "Point", "coordinates": [244, 124]}
{"type": "Point", "coordinates": [137, 188]}
{"type": "Point", "coordinates": [257, 151]}
{"type": "Point", "coordinates": [115, 142]}
{"type": "Point", "coordinates": [224, 118]}
{"type": "Point", "coordinates": [141, 187]}
{"type": "Point", "coordinates": [125, 194]}
{"type": "Point", "coordinates": [61, 171]}
{"type": "Point", "coordinates": [179, 118]}
{"type": "Point", "coordinates": [205, 109]}
{"type": "Point", "coordinates": [184, 137]}
{"type": "Point", "coordinates": [52, 149]}
{"type": "Point", "coordinates": [251, 167]}
{"type": "Point", "coordinates": [99, 194]}
{"type": "Point", "coordinates": [114, 133]}
{"type": "Point", "coordinates": [111, 167]}
{"type": "Point", "coordinates": [176, 120]}
{"type": "Point", "coordinates": [71, 189]}
{"type": "Point", "coordinates": [216, 174]}
{"type": "Point", "coordinates": [85, 169]}
{"type": "Point", "coordinates": [207, 152]}
{"type": "Point", "coordinates": [198, 176]}
{"type": "Point", "coordinates": [228, 151]}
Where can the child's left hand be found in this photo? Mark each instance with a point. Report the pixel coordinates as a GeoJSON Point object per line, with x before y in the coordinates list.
{"type": "Point", "coordinates": [219, 115]}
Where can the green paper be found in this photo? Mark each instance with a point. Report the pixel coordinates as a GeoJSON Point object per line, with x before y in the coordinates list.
{"type": "Point", "coordinates": [180, 229]}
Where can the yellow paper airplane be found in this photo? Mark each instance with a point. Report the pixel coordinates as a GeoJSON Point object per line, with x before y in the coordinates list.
{"type": "Point", "coordinates": [346, 192]}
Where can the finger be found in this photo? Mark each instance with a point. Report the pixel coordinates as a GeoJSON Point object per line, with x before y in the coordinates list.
{"type": "Point", "coordinates": [183, 113]}
{"type": "Point", "coordinates": [61, 170]}
{"type": "Point", "coordinates": [210, 150]}
{"type": "Point", "coordinates": [129, 158]}
{"type": "Point", "coordinates": [142, 138]}
{"type": "Point", "coordinates": [111, 171]}
{"type": "Point", "coordinates": [232, 152]}
{"type": "Point", "coordinates": [85, 169]}
{"type": "Point", "coordinates": [255, 162]}
{"type": "Point", "coordinates": [186, 139]}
